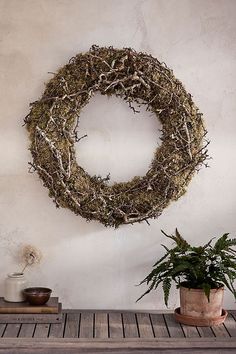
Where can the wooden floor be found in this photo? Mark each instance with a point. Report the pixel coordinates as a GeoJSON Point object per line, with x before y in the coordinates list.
{"type": "Point", "coordinates": [117, 332]}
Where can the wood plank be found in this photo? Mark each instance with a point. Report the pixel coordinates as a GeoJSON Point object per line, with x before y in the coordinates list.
{"type": "Point", "coordinates": [116, 351]}
{"type": "Point", "coordinates": [27, 330]}
{"type": "Point", "coordinates": [232, 312]}
{"type": "Point", "coordinates": [2, 328]}
{"type": "Point", "coordinates": [130, 325]}
{"type": "Point", "coordinates": [190, 331]}
{"type": "Point", "coordinates": [159, 326]}
{"type": "Point", "coordinates": [174, 328]}
{"type": "Point", "coordinates": [115, 325]}
{"type": "Point", "coordinates": [86, 325]}
{"type": "Point", "coordinates": [135, 345]}
{"type": "Point", "coordinates": [24, 307]}
{"type": "Point", "coordinates": [101, 325]}
{"type": "Point", "coordinates": [230, 325]}
{"type": "Point", "coordinates": [205, 332]}
{"type": "Point", "coordinates": [41, 330]}
{"type": "Point", "coordinates": [220, 331]}
{"type": "Point", "coordinates": [12, 330]}
{"type": "Point", "coordinates": [72, 325]}
{"type": "Point", "coordinates": [144, 325]}
{"type": "Point", "coordinates": [31, 317]}
{"type": "Point", "coordinates": [57, 329]}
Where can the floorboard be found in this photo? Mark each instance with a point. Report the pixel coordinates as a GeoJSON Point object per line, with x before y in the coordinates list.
{"type": "Point", "coordinates": [115, 325]}
{"type": "Point", "coordinates": [205, 332]}
{"type": "Point", "coordinates": [130, 325]}
{"type": "Point", "coordinates": [12, 330]}
{"type": "Point", "coordinates": [87, 325]}
{"type": "Point", "coordinates": [159, 326]}
{"type": "Point", "coordinates": [101, 325]}
{"type": "Point", "coordinates": [190, 331]}
{"type": "Point", "coordinates": [2, 329]}
{"type": "Point", "coordinates": [230, 325]}
{"type": "Point", "coordinates": [144, 325]}
{"type": "Point", "coordinates": [41, 330]}
{"type": "Point", "coordinates": [27, 330]}
{"type": "Point", "coordinates": [174, 328]}
{"type": "Point", "coordinates": [72, 325]}
{"type": "Point", "coordinates": [57, 329]}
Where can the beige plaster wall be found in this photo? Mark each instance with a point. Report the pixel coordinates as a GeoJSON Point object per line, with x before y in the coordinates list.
{"type": "Point", "coordinates": [87, 265]}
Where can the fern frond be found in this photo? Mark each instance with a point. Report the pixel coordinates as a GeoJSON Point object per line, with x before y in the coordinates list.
{"type": "Point", "coordinates": [181, 241]}
{"type": "Point", "coordinates": [160, 260]}
{"type": "Point", "coordinates": [208, 243]}
{"type": "Point", "coordinates": [232, 242]}
{"type": "Point", "coordinates": [166, 286]}
{"type": "Point", "coordinates": [221, 243]}
{"type": "Point", "coordinates": [182, 267]}
{"type": "Point", "coordinates": [146, 292]}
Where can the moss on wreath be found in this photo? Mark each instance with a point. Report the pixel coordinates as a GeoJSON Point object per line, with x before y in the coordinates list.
{"type": "Point", "coordinates": [53, 125]}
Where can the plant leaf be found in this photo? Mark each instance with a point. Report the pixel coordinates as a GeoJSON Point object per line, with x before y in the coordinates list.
{"type": "Point", "coordinates": [166, 286]}
{"type": "Point", "coordinates": [207, 289]}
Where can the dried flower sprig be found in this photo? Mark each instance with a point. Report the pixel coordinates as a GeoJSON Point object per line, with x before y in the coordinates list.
{"type": "Point", "coordinates": [30, 256]}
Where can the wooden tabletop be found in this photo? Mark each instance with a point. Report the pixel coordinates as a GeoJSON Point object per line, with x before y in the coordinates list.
{"type": "Point", "coordinates": [118, 331]}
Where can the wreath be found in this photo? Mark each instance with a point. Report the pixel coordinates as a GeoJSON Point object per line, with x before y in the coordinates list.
{"type": "Point", "coordinates": [53, 125]}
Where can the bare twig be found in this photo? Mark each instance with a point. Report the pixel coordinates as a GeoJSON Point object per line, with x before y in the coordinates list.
{"type": "Point", "coordinates": [138, 78]}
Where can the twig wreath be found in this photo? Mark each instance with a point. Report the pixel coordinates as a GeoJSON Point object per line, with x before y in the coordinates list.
{"type": "Point", "coordinates": [53, 125]}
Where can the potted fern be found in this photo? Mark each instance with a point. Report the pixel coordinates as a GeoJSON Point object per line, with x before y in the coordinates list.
{"type": "Point", "coordinates": [200, 273]}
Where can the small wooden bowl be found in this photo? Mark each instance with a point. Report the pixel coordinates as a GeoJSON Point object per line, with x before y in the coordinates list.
{"type": "Point", "coordinates": [37, 296]}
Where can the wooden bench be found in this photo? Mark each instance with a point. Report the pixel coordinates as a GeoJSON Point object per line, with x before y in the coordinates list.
{"type": "Point", "coordinates": [87, 331]}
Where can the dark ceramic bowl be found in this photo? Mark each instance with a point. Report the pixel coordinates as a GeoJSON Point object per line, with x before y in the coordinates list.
{"type": "Point", "coordinates": [37, 296]}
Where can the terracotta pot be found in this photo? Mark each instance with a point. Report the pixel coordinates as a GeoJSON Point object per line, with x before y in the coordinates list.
{"type": "Point", "coordinates": [194, 303]}
{"type": "Point", "coordinates": [198, 321]}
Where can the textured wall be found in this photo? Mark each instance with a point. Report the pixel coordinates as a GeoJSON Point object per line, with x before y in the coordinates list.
{"type": "Point", "coordinates": [86, 264]}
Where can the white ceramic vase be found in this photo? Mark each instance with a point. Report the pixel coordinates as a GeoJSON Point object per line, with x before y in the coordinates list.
{"type": "Point", "coordinates": [14, 284]}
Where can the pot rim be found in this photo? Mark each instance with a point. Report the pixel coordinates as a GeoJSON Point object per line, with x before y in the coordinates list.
{"type": "Point", "coordinates": [201, 321]}
{"type": "Point", "coordinates": [221, 288]}
{"type": "Point", "coordinates": [15, 275]}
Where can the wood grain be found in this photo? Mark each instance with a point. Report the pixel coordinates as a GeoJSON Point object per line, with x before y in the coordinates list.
{"type": "Point", "coordinates": [86, 325]}
{"type": "Point", "coordinates": [159, 326]}
{"type": "Point", "coordinates": [230, 325]}
{"type": "Point", "coordinates": [32, 317]}
{"type": "Point", "coordinates": [205, 332]}
{"type": "Point", "coordinates": [27, 330]}
{"type": "Point", "coordinates": [101, 325]}
{"type": "Point", "coordinates": [174, 327]}
{"type": "Point", "coordinates": [220, 331]}
{"type": "Point", "coordinates": [113, 332]}
{"type": "Point", "coordinates": [130, 325]}
{"type": "Point", "coordinates": [12, 330]}
{"type": "Point", "coordinates": [72, 325]}
{"type": "Point", "coordinates": [41, 330]}
{"type": "Point", "coordinates": [24, 307]}
{"type": "Point", "coordinates": [144, 325]}
{"type": "Point", "coordinates": [190, 331]}
{"type": "Point", "coordinates": [57, 329]}
{"type": "Point", "coordinates": [2, 329]}
{"type": "Point", "coordinates": [115, 325]}
{"type": "Point", "coordinates": [135, 345]}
